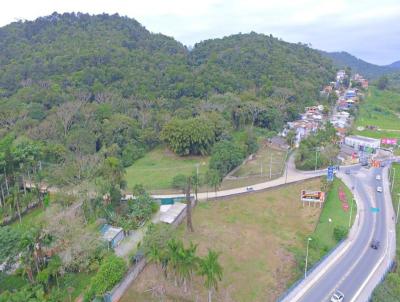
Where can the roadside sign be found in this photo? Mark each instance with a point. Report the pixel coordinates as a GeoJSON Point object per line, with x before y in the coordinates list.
{"type": "Point", "coordinates": [375, 210]}
{"type": "Point", "coordinates": [330, 173]}
{"type": "Point", "coordinates": [389, 141]}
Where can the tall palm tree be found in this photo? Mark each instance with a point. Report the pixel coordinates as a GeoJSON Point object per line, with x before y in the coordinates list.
{"type": "Point", "coordinates": [188, 263]}
{"type": "Point", "coordinates": [174, 248]}
{"type": "Point", "coordinates": [211, 270]}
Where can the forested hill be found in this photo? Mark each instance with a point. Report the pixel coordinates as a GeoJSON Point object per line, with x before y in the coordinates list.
{"type": "Point", "coordinates": [270, 65]}
{"type": "Point", "coordinates": [93, 53]}
{"type": "Point", "coordinates": [371, 71]}
{"type": "Point", "coordinates": [113, 53]}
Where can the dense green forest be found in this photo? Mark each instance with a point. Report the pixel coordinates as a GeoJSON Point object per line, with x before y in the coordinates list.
{"type": "Point", "coordinates": [370, 71]}
{"type": "Point", "coordinates": [83, 88]}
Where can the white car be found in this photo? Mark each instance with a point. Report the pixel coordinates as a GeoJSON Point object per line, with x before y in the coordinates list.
{"type": "Point", "coordinates": [337, 296]}
{"type": "Point", "coordinates": [379, 189]}
{"type": "Point", "coordinates": [378, 177]}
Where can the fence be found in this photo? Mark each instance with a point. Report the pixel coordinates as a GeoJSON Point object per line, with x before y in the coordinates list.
{"type": "Point", "coordinates": [118, 291]}
{"type": "Point", "coordinates": [294, 285]}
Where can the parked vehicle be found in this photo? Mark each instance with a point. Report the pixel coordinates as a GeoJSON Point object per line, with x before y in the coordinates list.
{"type": "Point", "coordinates": [378, 177]}
{"type": "Point", "coordinates": [375, 244]}
{"type": "Point", "coordinates": [249, 189]}
{"type": "Point", "coordinates": [337, 296]}
{"type": "Point", "coordinates": [379, 189]}
{"type": "Point", "coordinates": [347, 172]}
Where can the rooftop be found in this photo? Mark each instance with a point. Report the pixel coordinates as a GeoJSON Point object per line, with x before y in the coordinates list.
{"type": "Point", "coordinates": [364, 139]}
{"type": "Point", "coordinates": [109, 232]}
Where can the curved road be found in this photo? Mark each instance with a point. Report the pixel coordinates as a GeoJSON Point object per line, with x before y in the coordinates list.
{"type": "Point", "coordinates": [355, 268]}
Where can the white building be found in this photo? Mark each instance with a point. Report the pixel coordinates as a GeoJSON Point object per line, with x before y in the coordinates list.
{"type": "Point", "coordinates": [361, 142]}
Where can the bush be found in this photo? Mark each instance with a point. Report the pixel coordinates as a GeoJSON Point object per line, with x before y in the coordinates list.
{"type": "Point", "coordinates": [111, 271]}
{"type": "Point", "coordinates": [340, 233]}
{"type": "Point", "coordinates": [179, 182]}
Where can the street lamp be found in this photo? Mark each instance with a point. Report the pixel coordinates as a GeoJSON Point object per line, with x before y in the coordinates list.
{"type": "Point", "coordinates": [351, 211]}
{"type": "Point", "coordinates": [305, 269]}
{"type": "Point", "coordinates": [398, 208]}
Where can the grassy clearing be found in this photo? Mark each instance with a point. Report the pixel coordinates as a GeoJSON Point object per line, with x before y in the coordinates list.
{"type": "Point", "coordinates": [157, 168]}
{"type": "Point", "coordinates": [264, 159]}
{"type": "Point", "coordinates": [389, 289]}
{"type": "Point", "coordinates": [255, 234]}
{"type": "Point", "coordinates": [381, 109]}
{"type": "Point", "coordinates": [29, 220]}
{"type": "Point", "coordinates": [323, 239]}
{"type": "Point", "coordinates": [250, 172]}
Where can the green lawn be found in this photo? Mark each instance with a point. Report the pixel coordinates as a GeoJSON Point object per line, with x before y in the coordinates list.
{"type": "Point", "coordinates": [158, 167]}
{"type": "Point", "coordinates": [322, 237]}
{"type": "Point", "coordinates": [389, 290]}
{"type": "Point", "coordinates": [262, 162]}
{"type": "Point", "coordinates": [250, 172]}
{"type": "Point", "coordinates": [29, 220]}
{"type": "Point", "coordinates": [380, 109]}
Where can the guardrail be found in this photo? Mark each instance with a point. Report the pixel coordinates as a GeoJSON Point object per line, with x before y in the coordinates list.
{"type": "Point", "coordinates": [294, 285]}
{"type": "Point", "coordinates": [388, 269]}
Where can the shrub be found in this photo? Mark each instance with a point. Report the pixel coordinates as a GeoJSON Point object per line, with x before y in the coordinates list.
{"type": "Point", "coordinates": [340, 233]}
{"type": "Point", "coordinates": [111, 271]}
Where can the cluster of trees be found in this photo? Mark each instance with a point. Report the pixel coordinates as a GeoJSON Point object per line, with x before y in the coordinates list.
{"type": "Point", "coordinates": [318, 150]}
{"type": "Point", "coordinates": [179, 262]}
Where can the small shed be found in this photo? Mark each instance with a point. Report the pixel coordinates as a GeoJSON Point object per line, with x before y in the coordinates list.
{"type": "Point", "coordinates": [112, 235]}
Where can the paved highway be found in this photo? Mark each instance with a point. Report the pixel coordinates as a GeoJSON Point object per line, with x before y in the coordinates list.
{"type": "Point", "coordinates": [355, 267]}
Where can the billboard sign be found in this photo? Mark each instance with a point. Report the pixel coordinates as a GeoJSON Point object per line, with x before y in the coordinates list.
{"type": "Point", "coordinates": [312, 196]}
{"type": "Point", "coordinates": [389, 141]}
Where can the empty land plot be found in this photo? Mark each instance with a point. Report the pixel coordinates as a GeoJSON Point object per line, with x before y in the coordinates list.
{"type": "Point", "coordinates": [255, 234]}
{"type": "Point", "coordinates": [158, 167]}
{"type": "Point", "coordinates": [267, 164]}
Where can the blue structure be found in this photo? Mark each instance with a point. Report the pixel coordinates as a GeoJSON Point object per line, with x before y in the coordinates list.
{"type": "Point", "coordinates": [112, 235]}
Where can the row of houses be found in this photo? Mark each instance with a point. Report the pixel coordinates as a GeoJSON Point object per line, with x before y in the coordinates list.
{"type": "Point", "coordinates": [360, 79]}
{"type": "Point", "coordinates": [310, 121]}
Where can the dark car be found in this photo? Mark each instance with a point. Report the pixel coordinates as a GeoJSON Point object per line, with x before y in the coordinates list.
{"type": "Point", "coordinates": [249, 189]}
{"type": "Point", "coordinates": [347, 172]}
{"type": "Point", "coordinates": [375, 244]}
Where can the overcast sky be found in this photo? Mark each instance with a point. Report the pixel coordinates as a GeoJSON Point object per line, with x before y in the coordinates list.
{"type": "Point", "coordinates": [369, 29]}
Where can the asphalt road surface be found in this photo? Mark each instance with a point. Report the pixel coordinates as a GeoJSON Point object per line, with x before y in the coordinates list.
{"type": "Point", "coordinates": [350, 274]}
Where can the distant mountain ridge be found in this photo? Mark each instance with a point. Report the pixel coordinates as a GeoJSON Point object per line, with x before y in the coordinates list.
{"type": "Point", "coordinates": [369, 70]}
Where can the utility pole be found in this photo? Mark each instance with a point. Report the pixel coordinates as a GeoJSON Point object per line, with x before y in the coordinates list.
{"type": "Point", "coordinates": [261, 168]}
{"type": "Point", "coordinates": [305, 268]}
{"type": "Point", "coordinates": [286, 170]}
{"type": "Point", "coordinates": [393, 179]}
{"type": "Point", "coordinates": [351, 211]}
{"type": "Point", "coordinates": [398, 208]}
{"type": "Point", "coordinates": [316, 158]}
{"type": "Point", "coordinates": [270, 167]}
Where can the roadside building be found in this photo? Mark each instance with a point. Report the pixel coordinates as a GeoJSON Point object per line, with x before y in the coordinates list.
{"type": "Point", "coordinates": [112, 235]}
{"type": "Point", "coordinates": [362, 143]}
